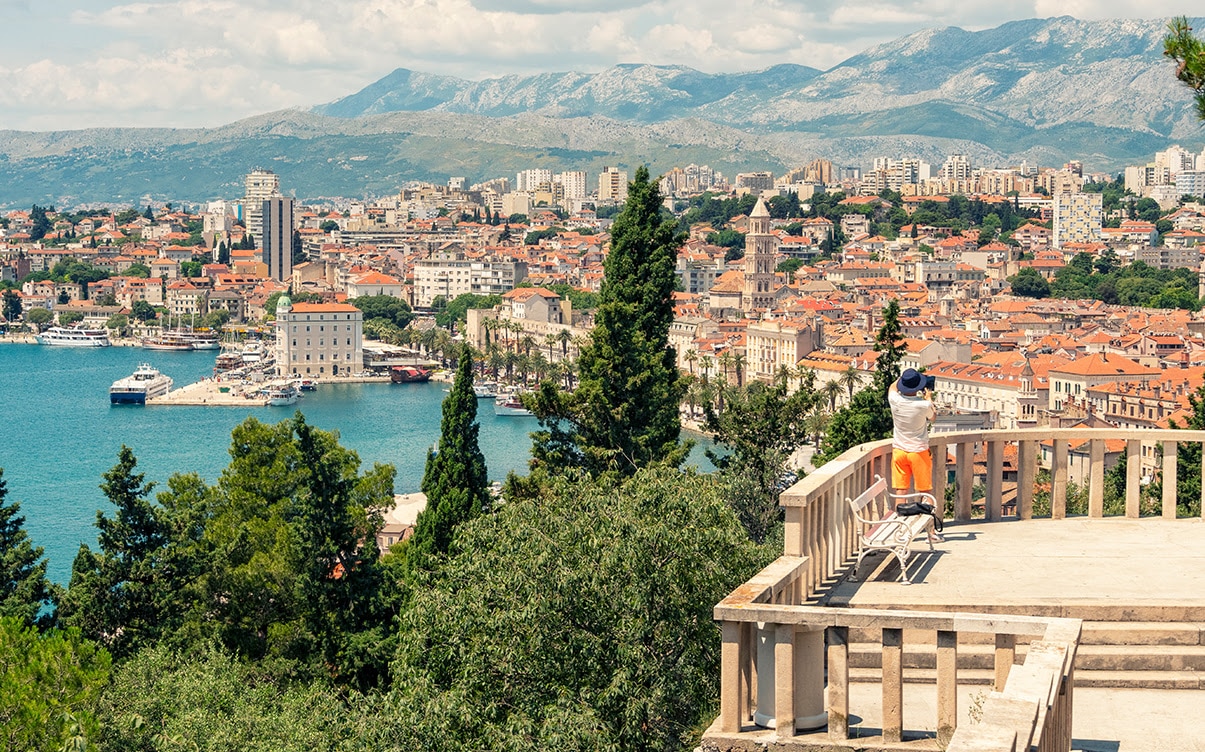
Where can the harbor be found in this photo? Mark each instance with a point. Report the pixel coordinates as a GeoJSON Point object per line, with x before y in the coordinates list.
{"type": "Point", "coordinates": [226, 392]}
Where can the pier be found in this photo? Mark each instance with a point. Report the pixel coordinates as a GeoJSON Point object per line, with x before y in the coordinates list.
{"type": "Point", "coordinates": [242, 392]}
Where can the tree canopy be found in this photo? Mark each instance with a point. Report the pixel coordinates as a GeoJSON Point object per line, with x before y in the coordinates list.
{"type": "Point", "coordinates": [1189, 53]}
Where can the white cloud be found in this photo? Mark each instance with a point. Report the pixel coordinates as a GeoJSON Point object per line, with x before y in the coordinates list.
{"type": "Point", "coordinates": [192, 62]}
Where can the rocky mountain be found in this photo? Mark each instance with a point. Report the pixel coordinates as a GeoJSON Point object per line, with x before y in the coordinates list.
{"type": "Point", "coordinates": [1045, 90]}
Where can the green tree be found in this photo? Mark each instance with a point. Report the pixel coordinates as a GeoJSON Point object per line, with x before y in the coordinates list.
{"type": "Point", "coordinates": [1028, 283]}
{"type": "Point", "coordinates": [70, 318]}
{"type": "Point", "coordinates": [142, 310]}
{"type": "Point", "coordinates": [394, 310]}
{"type": "Point", "coordinates": [39, 316]}
{"type": "Point", "coordinates": [624, 414]}
{"type": "Point", "coordinates": [1189, 53]}
{"type": "Point", "coordinates": [579, 620]}
{"type": "Point", "coordinates": [455, 480]}
{"type": "Point", "coordinates": [25, 594]}
{"type": "Point", "coordinates": [138, 270]}
{"type": "Point", "coordinates": [12, 306]}
{"type": "Point", "coordinates": [40, 222]}
{"type": "Point", "coordinates": [113, 596]}
{"type": "Point", "coordinates": [49, 684]}
{"type": "Point", "coordinates": [867, 417]}
{"type": "Point", "coordinates": [458, 308]}
{"type": "Point", "coordinates": [761, 426]}
{"type": "Point", "coordinates": [328, 226]}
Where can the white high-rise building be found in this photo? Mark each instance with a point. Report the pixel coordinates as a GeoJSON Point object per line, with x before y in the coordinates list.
{"type": "Point", "coordinates": [1175, 159]}
{"type": "Point", "coordinates": [573, 182]}
{"type": "Point", "coordinates": [956, 167]}
{"type": "Point", "coordinates": [529, 180]}
{"type": "Point", "coordinates": [258, 185]}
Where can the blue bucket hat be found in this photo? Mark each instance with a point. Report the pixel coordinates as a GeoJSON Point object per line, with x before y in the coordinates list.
{"type": "Point", "coordinates": [910, 382]}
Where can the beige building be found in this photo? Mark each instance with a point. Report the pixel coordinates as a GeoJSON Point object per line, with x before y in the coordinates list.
{"type": "Point", "coordinates": [318, 339]}
{"type": "Point", "coordinates": [1077, 218]}
{"type": "Point", "coordinates": [258, 186]}
{"type": "Point", "coordinates": [772, 344]}
{"type": "Point", "coordinates": [455, 276]}
{"type": "Point", "coordinates": [612, 185]}
{"type": "Point", "coordinates": [1071, 382]}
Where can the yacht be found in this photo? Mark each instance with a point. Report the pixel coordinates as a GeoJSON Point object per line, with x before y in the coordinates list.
{"type": "Point", "coordinates": [175, 341]}
{"type": "Point", "coordinates": [285, 394]}
{"type": "Point", "coordinates": [145, 383]}
{"type": "Point", "coordinates": [510, 405]}
{"type": "Point", "coordinates": [485, 389]}
{"type": "Point", "coordinates": [203, 340]}
{"type": "Point", "coordinates": [61, 336]}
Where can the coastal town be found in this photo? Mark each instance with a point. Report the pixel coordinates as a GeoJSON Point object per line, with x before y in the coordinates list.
{"type": "Point", "coordinates": [1038, 296]}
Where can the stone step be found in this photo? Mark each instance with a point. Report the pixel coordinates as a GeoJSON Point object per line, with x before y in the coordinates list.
{"type": "Point", "coordinates": [1088, 657]}
{"type": "Point", "coordinates": [1187, 680]}
{"type": "Point", "coordinates": [1095, 633]}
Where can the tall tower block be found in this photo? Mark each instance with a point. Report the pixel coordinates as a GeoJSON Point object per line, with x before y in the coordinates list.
{"type": "Point", "coordinates": [760, 249]}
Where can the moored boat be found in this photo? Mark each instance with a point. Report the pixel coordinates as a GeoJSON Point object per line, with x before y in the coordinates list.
{"type": "Point", "coordinates": [306, 385]}
{"type": "Point", "coordinates": [202, 340]}
{"type": "Point", "coordinates": [61, 336]}
{"type": "Point", "coordinates": [485, 389]}
{"type": "Point", "coordinates": [286, 394]}
{"type": "Point", "coordinates": [145, 383]}
{"type": "Point", "coordinates": [510, 405]}
{"type": "Point", "coordinates": [170, 341]}
{"type": "Point", "coordinates": [409, 375]}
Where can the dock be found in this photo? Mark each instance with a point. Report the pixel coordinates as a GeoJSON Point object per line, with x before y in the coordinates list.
{"type": "Point", "coordinates": [241, 392]}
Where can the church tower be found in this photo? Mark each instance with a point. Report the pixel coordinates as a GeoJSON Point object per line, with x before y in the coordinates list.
{"type": "Point", "coordinates": [1027, 398]}
{"type": "Point", "coordinates": [760, 249]}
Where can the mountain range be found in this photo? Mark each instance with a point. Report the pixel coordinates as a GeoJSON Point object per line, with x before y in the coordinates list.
{"type": "Point", "coordinates": [1042, 90]}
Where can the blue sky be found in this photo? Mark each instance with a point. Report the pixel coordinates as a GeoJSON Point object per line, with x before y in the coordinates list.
{"type": "Point", "coordinates": [190, 63]}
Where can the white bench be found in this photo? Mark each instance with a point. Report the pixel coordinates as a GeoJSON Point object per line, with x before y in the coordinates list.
{"type": "Point", "coordinates": [892, 533]}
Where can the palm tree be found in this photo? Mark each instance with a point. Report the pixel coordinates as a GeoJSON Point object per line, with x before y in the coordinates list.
{"type": "Point", "coordinates": [725, 363]}
{"type": "Point", "coordinates": [550, 340]}
{"type": "Point", "coordinates": [738, 363]}
{"type": "Point", "coordinates": [526, 343]}
{"type": "Point", "coordinates": [851, 379]}
{"type": "Point", "coordinates": [832, 390]}
{"type": "Point", "coordinates": [564, 336]}
{"type": "Point", "coordinates": [691, 357]}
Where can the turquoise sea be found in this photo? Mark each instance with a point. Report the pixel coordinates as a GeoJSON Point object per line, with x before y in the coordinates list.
{"type": "Point", "coordinates": [61, 433]}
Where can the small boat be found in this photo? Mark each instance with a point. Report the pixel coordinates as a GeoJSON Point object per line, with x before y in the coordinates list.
{"type": "Point", "coordinates": [286, 394]}
{"type": "Point", "coordinates": [145, 383]}
{"type": "Point", "coordinates": [61, 336]}
{"type": "Point", "coordinates": [227, 362]}
{"type": "Point", "coordinates": [409, 375]}
{"type": "Point", "coordinates": [486, 389]}
{"type": "Point", "coordinates": [171, 341]}
{"type": "Point", "coordinates": [306, 385]}
{"type": "Point", "coordinates": [202, 340]}
{"type": "Point", "coordinates": [254, 352]}
{"type": "Point", "coordinates": [510, 405]}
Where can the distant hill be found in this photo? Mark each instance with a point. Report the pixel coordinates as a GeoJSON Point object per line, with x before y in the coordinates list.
{"type": "Point", "coordinates": [1045, 90]}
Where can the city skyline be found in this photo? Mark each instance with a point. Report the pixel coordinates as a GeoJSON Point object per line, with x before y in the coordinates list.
{"type": "Point", "coordinates": [201, 63]}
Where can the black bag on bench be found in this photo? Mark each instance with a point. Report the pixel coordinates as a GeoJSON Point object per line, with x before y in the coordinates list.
{"type": "Point", "coordinates": [913, 508]}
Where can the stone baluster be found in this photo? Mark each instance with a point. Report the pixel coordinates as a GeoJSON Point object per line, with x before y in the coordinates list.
{"type": "Point", "coordinates": [938, 450]}
{"type": "Point", "coordinates": [964, 476]}
{"type": "Point", "coordinates": [893, 684]}
{"type": "Point", "coordinates": [1058, 486]}
{"type": "Point", "coordinates": [838, 683]}
{"type": "Point", "coordinates": [1096, 478]}
{"type": "Point", "coordinates": [1133, 477]}
{"type": "Point", "coordinates": [1169, 480]}
{"type": "Point", "coordinates": [995, 481]}
{"type": "Point", "coordinates": [1027, 464]}
{"type": "Point", "coordinates": [1006, 651]}
{"type": "Point", "coordinates": [947, 685]}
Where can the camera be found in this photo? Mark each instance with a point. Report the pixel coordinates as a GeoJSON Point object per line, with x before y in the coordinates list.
{"type": "Point", "coordinates": [930, 383]}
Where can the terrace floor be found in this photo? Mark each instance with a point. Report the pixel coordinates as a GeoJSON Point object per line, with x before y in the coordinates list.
{"type": "Point", "coordinates": [1147, 570]}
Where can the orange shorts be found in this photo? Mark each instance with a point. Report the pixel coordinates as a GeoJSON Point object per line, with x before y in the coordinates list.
{"type": "Point", "coordinates": [912, 466]}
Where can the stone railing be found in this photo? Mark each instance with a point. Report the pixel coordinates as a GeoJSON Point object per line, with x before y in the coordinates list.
{"type": "Point", "coordinates": [774, 661]}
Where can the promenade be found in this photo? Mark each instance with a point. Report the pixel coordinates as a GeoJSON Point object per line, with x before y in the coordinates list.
{"type": "Point", "coordinates": [218, 392]}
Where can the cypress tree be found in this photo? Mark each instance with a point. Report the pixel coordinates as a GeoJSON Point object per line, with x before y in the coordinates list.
{"type": "Point", "coordinates": [624, 414]}
{"type": "Point", "coordinates": [455, 480]}
{"type": "Point", "coordinates": [24, 591]}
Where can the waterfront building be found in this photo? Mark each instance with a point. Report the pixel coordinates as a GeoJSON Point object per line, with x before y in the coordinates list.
{"type": "Point", "coordinates": [318, 339]}
{"type": "Point", "coordinates": [774, 344]}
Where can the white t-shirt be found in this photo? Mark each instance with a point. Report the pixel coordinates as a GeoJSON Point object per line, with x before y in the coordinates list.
{"type": "Point", "coordinates": [910, 416]}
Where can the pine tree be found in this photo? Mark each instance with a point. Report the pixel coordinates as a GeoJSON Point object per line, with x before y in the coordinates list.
{"type": "Point", "coordinates": [1189, 53]}
{"type": "Point", "coordinates": [455, 480]}
{"type": "Point", "coordinates": [114, 594]}
{"type": "Point", "coordinates": [867, 417]}
{"type": "Point", "coordinates": [624, 414]}
{"type": "Point", "coordinates": [24, 591]}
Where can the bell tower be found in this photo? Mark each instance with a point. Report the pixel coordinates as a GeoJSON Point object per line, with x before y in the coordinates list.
{"type": "Point", "coordinates": [760, 249]}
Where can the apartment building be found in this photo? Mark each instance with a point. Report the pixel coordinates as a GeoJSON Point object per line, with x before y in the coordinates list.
{"type": "Point", "coordinates": [1077, 218]}
{"type": "Point", "coordinates": [612, 185]}
{"type": "Point", "coordinates": [451, 277]}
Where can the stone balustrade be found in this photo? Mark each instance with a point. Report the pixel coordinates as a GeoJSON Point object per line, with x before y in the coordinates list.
{"type": "Point", "coordinates": [776, 673]}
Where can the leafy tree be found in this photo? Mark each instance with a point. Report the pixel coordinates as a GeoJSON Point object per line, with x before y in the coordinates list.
{"type": "Point", "coordinates": [190, 268]}
{"type": "Point", "coordinates": [108, 299]}
{"type": "Point", "coordinates": [394, 310]}
{"type": "Point", "coordinates": [867, 417]}
{"type": "Point", "coordinates": [11, 307]}
{"type": "Point", "coordinates": [1029, 283]}
{"type": "Point", "coordinates": [209, 701]}
{"type": "Point", "coordinates": [70, 318]}
{"type": "Point", "coordinates": [455, 480]}
{"type": "Point", "coordinates": [624, 414]}
{"type": "Point", "coordinates": [535, 236]}
{"type": "Point", "coordinates": [39, 316]}
{"type": "Point", "coordinates": [142, 310]}
{"type": "Point", "coordinates": [41, 223]}
{"type": "Point", "coordinates": [25, 594]}
{"type": "Point", "coordinates": [49, 684]}
{"type": "Point", "coordinates": [789, 266]}
{"type": "Point", "coordinates": [457, 309]}
{"type": "Point", "coordinates": [113, 594]}
{"type": "Point", "coordinates": [329, 226]}
{"type": "Point", "coordinates": [1189, 53]}
{"type": "Point", "coordinates": [579, 620]}
{"type": "Point", "coordinates": [761, 425]}
{"type": "Point", "coordinates": [582, 300]}
{"type": "Point", "coordinates": [138, 270]}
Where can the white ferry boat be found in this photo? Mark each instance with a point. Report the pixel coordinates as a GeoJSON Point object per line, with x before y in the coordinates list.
{"type": "Point", "coordinates": [145, 383]}
{"type": "Point", "coordinates": [60, 336]}
{"type": "Point", "coordinates": [510, 405]}
{"type": "Point", "coordinates": [287, 394]}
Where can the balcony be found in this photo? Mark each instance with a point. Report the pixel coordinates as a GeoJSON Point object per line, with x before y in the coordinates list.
{"type": "Point", "coordinates": [1001, 617]}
